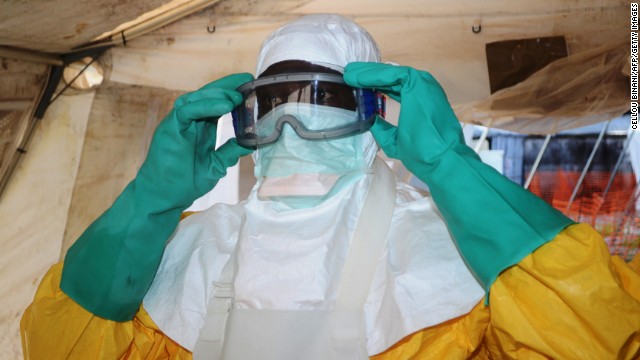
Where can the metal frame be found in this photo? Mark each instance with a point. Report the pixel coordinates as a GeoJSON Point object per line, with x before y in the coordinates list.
{"type": "Point", "coordinates": [537, 162]}
{"type": "Point", "coordinates": [483, 136]}
{"type": "Point", "coordinates": [587, 166]}
{"type": "Point", "coordinates": [617, 166]}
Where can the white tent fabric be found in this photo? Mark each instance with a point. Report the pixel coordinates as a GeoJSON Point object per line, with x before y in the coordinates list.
{"type": "Point", "coordinates": [448, 48]}
{"type": "Point", "coordinates": [34, 211]}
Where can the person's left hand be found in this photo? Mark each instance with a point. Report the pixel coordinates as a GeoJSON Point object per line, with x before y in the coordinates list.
{"type": "Point", "coordinates": [494, 221]}
{"type": "Point", "coordinates": [427, 125]}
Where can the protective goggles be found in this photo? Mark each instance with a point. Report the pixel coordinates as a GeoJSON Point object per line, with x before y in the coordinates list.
{"type": "Point", "coordinates": [317, 106]}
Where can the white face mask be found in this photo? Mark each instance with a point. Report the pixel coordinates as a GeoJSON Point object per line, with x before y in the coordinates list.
{"type": "Point", "coordinates": [298, 167]}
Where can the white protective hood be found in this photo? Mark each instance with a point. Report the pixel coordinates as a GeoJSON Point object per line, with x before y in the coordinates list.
{"type": "Point", "coordinates": [291, 259]}
{"type": "Point", "coordinates": [325, 39]}
{"type": "Point", "coordinates": [319, 38]}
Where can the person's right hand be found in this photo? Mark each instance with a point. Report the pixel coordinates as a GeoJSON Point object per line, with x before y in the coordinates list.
{"type": "Point", "coordinates": [111, 266]}
{"type": "Point", "coordinates": [182, 164]}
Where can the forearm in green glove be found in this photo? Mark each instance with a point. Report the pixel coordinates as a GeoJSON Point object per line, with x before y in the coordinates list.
{"type": "Point", "coordinates": [494, 222]}
{"type": "Point", "coordinates": [110, 267]}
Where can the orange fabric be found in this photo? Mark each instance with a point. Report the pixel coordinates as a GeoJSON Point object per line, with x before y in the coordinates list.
{"type": "Point", "coordinates": [568, 300]}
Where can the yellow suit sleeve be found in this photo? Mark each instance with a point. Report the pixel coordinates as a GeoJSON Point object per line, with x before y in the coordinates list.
{"type": "Point", "coordinates": [55, 327]}
{"type": "Point", "coordinates": [569, 299]}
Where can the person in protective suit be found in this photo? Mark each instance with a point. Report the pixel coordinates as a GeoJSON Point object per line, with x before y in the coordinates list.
{"type": "Point", "coordinates": [330, 257]}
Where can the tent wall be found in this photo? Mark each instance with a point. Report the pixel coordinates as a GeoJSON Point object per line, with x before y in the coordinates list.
{"type": "Point", "coordinates": [119, 130]}
{"type": "Point", "coordinates": [58, 25]}
{"type": "Point", "coordinates": [184, 55]}
{"type": "Point", "coordinates": [33, 211]}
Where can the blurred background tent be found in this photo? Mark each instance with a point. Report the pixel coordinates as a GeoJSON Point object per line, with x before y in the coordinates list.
{"type": "Point", "coordinates": [66, 151]}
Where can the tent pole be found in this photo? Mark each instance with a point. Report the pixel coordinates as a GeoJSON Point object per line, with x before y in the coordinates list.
{"type": "Point", "coordinates": [537, 162]}
{"type": "Point", "coordinates": [617, 167]}
{"type": "Point", "coordinates": [121, 37]}
{"type": "Point", "coordinates": [25, 134]}
{"type": "Point", "coordinates": [167, 18]}
{"type": "Point", "coordinates": [483, 137]}
{"type": "Point", "coordinates": [623, 226]}
{"type": "Point", "coordinates": [30, 55]}
{"type": "Point", "coordinates": [587, 165]}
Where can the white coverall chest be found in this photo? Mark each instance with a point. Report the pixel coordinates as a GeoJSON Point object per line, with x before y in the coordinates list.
{"type": "Point", "coordinates": [336, 333]}
{"type": "Point", "coordinates": [419, 281]}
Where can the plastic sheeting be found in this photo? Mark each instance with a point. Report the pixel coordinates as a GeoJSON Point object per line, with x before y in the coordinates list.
{"type": "Point", "coordinates": [579, 90]}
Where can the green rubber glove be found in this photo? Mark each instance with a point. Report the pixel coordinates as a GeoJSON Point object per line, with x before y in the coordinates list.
{"type": "Point", "coordinates": [494, 222]}
{"type": "Point", "coordinates": [111, 266]}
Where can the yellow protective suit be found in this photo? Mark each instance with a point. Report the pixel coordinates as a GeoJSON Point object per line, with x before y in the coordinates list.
{"type": "Point", "coordinates": [569, 299]}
